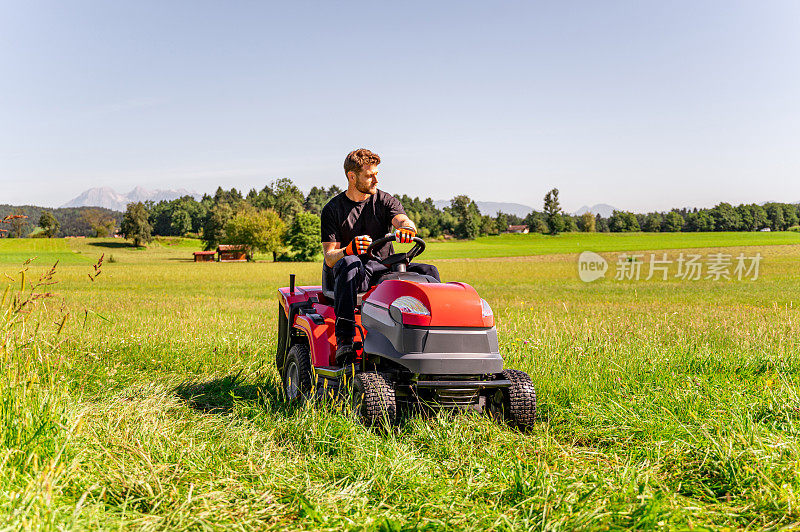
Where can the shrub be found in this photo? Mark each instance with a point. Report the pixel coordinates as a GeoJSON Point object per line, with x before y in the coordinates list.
{"type": "Point", "coordinates": [258, 230]}
{"type": "Point", "coordinates": [304, 236]}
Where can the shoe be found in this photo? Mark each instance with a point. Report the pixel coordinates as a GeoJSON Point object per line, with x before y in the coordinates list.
{"type": "Point", "coordinates": [345, 353]}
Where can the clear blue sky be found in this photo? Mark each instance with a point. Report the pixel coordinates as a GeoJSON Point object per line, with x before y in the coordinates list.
{"type": "Point", "coordinates": [643, 105]}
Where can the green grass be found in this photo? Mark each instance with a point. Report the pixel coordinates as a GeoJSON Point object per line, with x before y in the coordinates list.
{"type": "Point", "coordinates": [662, 404]}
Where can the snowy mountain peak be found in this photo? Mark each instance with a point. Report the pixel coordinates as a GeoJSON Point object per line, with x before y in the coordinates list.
{"type": "Point", "coordinates": [110, 199]}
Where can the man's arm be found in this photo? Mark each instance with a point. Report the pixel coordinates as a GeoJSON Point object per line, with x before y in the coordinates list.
{"type": "Point", "coordinates": [401, 220]}
{"type": "Point", "coordinates": [332, 253]}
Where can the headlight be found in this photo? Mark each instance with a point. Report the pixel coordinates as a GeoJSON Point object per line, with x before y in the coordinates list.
{"type": "Point", "coordinates": [486, 310]}
{"type": "Point", "coordinates": [411, 305]}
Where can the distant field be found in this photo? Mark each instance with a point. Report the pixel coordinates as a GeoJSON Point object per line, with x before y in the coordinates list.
{"type": "Point", "coordinates": [155, 404]}
{"type": "Point", "coordinates": [536, 244]}
{"type": "Point", "coordinates": [78, 250]}
{"type": "Point", "coordinates": [45, 250]}
{"type": "Point", "coordinates": [83, 250]}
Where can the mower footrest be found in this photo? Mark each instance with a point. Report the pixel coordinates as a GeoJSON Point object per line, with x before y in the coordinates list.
{"type": "Point", "coordinates": [331, 372]}
{"type": "Point", "coordinates": [499, 383]}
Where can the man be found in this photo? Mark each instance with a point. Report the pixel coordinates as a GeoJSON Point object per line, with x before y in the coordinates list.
{"type": "Point", "coordinates": [350, 222]}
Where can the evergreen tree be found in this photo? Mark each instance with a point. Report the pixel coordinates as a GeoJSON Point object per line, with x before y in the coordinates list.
{"type": "Point", "coordinates": [319, 196]}
{"type": "Point", "coordinates": [552, 210]}
{"type": "Point", "coordinates": [215, 224]}
{"type": "Point", "coordinates": [288, 200]}
{"type": "Point", "coordinates": [601, 224]}
{"type": "Point", "coordinates": [501, 222]}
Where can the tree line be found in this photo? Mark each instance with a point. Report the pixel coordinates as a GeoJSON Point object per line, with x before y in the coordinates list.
{"type": "Point", "coordinates": [771, 216]}
{"type": "Point", "coordinates": [280, 219]}
{"type": "Point", "coordinates": [289, 220]}
{"type": "Point", "coordinates": [463, 219]}
{"type": "Point", "coordinates": [61, 222]}
{"type": "Point", "coordinates": [722, 217]}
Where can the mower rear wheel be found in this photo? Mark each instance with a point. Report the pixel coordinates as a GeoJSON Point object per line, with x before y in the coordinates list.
{"type": "Point", "coordinates": [297, 373]}
{"type": "Point", "coordinates": [519, 400]}
{"type": "Point", "coordinates": [373, 399]}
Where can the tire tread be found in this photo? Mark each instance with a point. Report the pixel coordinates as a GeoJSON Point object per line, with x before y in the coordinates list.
{"type": "Point", "coordinates": [521, 399]}
{"type": "Point", "coordinates": [378, 402]}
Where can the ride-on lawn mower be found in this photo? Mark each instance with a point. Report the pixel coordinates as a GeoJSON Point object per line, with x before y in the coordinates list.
{"type": "Point", "coordinates": [424, 344]}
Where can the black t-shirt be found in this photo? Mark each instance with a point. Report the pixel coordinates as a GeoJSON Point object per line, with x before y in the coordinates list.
{"type": "Point", "coordinates": [344, 219]}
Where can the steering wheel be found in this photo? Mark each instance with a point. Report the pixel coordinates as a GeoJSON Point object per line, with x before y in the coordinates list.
{"type": "Point", "coordinates": [395, 258]}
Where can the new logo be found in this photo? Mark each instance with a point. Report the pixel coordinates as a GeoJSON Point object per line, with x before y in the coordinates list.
{"type": "Point", "coordinates": [591, 266]}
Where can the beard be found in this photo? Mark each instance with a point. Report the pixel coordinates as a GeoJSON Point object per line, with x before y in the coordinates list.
{"type": "Point", "coordinates": [364, 188]}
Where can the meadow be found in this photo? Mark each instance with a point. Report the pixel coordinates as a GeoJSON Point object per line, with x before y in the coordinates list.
{"type": "Point", "coordinates": [145, 396]}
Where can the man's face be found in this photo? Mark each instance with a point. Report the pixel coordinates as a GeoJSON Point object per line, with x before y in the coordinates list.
{"type": "Point", "coordinates": [366, 181]}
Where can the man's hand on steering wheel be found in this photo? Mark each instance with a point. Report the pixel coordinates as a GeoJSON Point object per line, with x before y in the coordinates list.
{"type": "Point", "coordinates": [405, 235]}
{"type": "Point", "coordinates": [358, 246]}
{"type": "Point", "coordinates": [418, 248]}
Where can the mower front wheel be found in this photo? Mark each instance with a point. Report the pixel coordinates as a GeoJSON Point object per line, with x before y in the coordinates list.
{"type": "Point", "coordinates": [373, 399]}
{"type": "Point", "coordinates": [519, 400]}
{"type": "Point", "coordinates": [297, 373]}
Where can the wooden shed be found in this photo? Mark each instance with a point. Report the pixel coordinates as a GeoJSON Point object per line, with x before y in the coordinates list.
{"type": "Point", "coordinates": [204, 256]}
{"type": "Point", "coordinates": [517, 229]}
{"type": "Point", "coordinates": [232, 253]}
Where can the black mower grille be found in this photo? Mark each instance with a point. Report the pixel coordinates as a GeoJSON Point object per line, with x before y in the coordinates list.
{"type": "Point", "coordinates": [456, 397]}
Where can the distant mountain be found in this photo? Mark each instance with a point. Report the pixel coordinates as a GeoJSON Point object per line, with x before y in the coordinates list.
{"type": "Point", "coordinates": [602, 209]}
{"type": "Point", "coordinates": [110, 199]}
{"type": "Point", "coordinates": [99, 197]}
{"type": "Point", "coordinates": [492, 207]}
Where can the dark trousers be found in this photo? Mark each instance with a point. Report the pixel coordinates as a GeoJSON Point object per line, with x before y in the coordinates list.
{"type": "Point", "coordinates": [352, 275]}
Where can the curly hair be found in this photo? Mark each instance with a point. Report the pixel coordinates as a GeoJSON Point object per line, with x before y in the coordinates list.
{"type": "Point", "coordinates": [356, 160]}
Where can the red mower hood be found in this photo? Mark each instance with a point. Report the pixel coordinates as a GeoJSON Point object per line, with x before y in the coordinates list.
{"type": "Point", "coordinates": [450, 304]}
